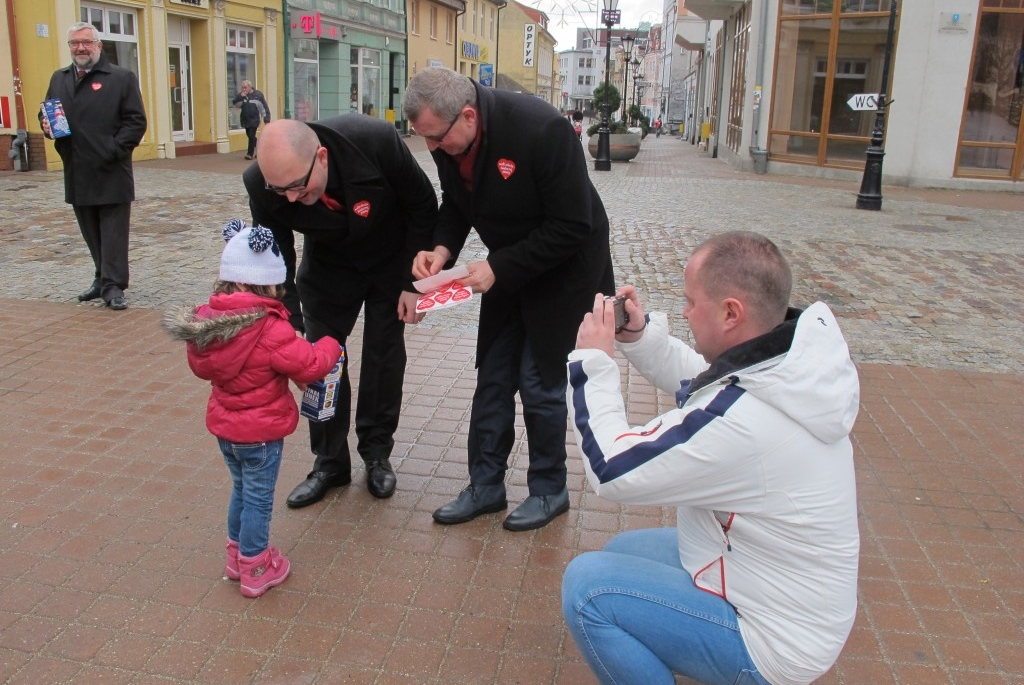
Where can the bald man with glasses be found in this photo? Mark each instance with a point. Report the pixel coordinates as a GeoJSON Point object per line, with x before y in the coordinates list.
{"type": "Point", "coordinates": [364, 207]}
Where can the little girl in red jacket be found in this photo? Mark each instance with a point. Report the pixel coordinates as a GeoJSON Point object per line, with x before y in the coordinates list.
{"type": "Point", "coordinates": [242, 343]}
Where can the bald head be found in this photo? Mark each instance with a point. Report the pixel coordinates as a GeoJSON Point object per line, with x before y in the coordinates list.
{"type": "Point", "coordinates": [285, 138]}
{"type": "Point", "coordinates": [292, 161]}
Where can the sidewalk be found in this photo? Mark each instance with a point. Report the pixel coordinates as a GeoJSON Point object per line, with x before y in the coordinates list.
{"type": "Point", "coordinates": [112, 500]}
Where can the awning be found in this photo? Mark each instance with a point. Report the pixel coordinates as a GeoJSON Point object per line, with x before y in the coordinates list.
{"type": "Point", "coordinates": [710, 10]}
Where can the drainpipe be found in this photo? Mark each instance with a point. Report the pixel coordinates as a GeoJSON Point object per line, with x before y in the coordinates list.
{"type": "Point", "coordinates": [19, 146]}
{"type": "Point", "coordinates": [289, 60]}
{"type": "Point", "coordinates": [757, 152]}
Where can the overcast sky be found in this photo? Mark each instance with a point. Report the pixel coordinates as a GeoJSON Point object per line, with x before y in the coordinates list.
{"type": "Point", "coordinates": [565, 16]}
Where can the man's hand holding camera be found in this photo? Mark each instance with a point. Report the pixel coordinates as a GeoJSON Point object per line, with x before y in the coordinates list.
{"type": "Point", "coordinates": [599, 330]}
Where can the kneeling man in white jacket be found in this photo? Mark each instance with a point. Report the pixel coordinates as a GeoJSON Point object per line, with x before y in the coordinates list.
{"type": "Point", "coordinates": [758, 581]}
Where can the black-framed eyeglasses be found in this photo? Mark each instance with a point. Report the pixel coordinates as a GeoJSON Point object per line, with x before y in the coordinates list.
{"type": "Point", "coordinates": [440, 139]}
{"type": "Point", "coordinates": [281, 190]}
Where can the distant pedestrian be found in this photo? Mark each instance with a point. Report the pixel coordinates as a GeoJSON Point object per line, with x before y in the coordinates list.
{"type": "Point", "coordinates": [103, 106]}
{"type": "Point", "coordinates": [242, 343]}
{"type": "Point", "coordinates": [657, 127]}
{"type": "Point", "coordinates": [254, 109]}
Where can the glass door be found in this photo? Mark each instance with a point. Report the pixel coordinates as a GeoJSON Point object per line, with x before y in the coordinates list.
{"type": "Point", "coordinates": [179, 79]}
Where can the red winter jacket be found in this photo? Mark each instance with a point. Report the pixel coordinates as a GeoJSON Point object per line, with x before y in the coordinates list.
{"type": "Point", "coordinates": [243, 344]}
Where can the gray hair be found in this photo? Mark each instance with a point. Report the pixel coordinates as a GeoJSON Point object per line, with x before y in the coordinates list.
{"type": "Point", "coordinates": [750, 266]}
{"type": "Point", "coordinates": [75, 28]}
{"type": "Point", "coordinates": [247, 82]}
{"type": "Point", "coordinates": [442, 90]}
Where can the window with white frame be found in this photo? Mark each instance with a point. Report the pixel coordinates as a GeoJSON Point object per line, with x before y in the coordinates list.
{"type": "Point", "coordinates": [414, 16]}
{"type": "Point", "coordinates": [119, 30]}
{"type": "Point", "coordinates": [449, 28]}
{"type": "Point", "coordinates": [241, 60]}
{"type": "Point", "coordinates": [433, 21]}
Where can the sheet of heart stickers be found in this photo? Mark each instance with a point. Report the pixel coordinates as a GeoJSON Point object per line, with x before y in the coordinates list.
{"type": "Point", "coordinates": [442, 290]}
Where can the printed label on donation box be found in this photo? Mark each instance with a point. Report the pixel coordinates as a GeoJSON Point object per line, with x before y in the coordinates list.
{"type": "Point", "coordinates": [321, 398]}
{"type": "Point", "coordinates": [54, 112]}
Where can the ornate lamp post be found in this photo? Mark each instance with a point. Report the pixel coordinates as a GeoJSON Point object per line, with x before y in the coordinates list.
{"type": "Point", "coordinates": [870, 195]}
{"type": "Point", "coordinates": [627, 55]}
{"type": "Point", "coordinates": [637, 75]}
{"type": "Point", "coordinates": [610, 16]}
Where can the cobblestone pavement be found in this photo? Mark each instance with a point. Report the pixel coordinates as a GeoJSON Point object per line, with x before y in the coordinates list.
{"type": "Point", "coordinates": [934, 279]}
{"type": "Point", "coordinates": [112, 496]}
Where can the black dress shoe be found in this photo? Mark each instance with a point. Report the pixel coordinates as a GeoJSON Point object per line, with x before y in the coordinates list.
{"type": "Point", "coordinates": [118, 303]}
{"type": "Point", "coordinates": [472, 502]}
{"type": "Point", "coordinates": [380, 479]}
{"type": "Point", "coordinates": [537, 511]}
{"type": "Point", "coordinates": [316, 485]}
{"type": "Point", "coordinates": [91, 294]}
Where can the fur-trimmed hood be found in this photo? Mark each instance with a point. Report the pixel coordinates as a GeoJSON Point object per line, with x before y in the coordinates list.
{"type": "Point", "coordinates": [183, 324]}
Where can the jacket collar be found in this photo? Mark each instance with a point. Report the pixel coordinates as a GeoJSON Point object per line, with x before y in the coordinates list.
{"type": "Point", "coordinates": [772, 344]}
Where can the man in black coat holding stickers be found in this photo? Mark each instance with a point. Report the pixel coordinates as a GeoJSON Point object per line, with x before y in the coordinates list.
{"type": "Point", "coordinates": [364, 206]}
{"type": "Point", "coordinates": [512, 167]}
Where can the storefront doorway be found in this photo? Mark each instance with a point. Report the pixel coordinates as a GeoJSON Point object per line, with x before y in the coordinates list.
{"type": "Point", "coordinates": [179, 79]}
{"type": "Point", "coordinates": [992, 132]}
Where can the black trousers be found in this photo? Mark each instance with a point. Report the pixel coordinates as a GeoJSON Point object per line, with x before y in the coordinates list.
{"type": "Point", "coordinates": [105, 229]}
{"type": "Point", "coordinates": [507, 368]}
{"type": "Point", "coordinates": [250, 132]}
{"type": "Point", "coordinates": [381, 374]}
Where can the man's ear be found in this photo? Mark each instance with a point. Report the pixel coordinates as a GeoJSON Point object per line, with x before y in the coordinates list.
{"type": "Point", "coordinates": [733, 313]}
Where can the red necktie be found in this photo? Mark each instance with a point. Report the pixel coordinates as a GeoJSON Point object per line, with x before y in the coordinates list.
{"type": "Point", "coordinates": [330, 202]}
{"type": "Point", "coordinates": [81, 74]}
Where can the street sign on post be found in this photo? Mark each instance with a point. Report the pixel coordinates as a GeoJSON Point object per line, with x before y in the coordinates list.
{"type": "Point", "coordinates": [863, 102]}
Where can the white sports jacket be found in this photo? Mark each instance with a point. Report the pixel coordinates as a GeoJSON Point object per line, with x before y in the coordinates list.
{"type": "Point", "coordinates": [757, 459]}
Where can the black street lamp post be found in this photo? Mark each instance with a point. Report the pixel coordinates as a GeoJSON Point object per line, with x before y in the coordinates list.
{"type": "Point", "coordinates": [870, 195]}
{"type": "Point", "coordinates": [610, 16]}
{"type": "Point", "coordinates": [627, 55]}
{"type": "Point", "coordinates": [637, 75]}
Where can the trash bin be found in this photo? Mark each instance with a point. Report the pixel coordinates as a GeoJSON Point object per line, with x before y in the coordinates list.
{"type": "Point", "coordinates": [760, 160]}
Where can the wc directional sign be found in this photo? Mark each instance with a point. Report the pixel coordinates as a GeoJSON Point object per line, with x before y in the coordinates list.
{"type": "Point", "coordinates": [863, 102]}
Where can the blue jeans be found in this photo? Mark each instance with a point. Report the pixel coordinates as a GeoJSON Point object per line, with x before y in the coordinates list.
{"type": "Point", "coordinates": [254, 470]}
{"type": "Point", "coordinates": [637, 617]}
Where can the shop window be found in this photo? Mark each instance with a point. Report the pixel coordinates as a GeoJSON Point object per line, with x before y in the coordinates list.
{"type": "Point", "coordinates": [241, 65]}
{"type": "Point", "coordinates": [306, 84]}
{"type": "Point", "coordinates": [366, 84]}
{"type": "Point", "coordinates": [741, 40]}
{"type": "Point", "coordinates": [992, 135]}
{"type": "Point", "coordinates": [118, 31]}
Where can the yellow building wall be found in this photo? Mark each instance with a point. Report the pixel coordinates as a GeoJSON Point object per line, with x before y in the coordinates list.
{"type": "Point", "coordinates": [424, 50]}
{"type": "Point", "coordinates": [41, 29]}
{"type": "Point", "coordinates": [510, 56]}
{"type": "Point", "coordinates": [478, 44]}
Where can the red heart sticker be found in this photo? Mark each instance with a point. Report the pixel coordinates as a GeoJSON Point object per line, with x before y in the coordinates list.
{"type": "Point", "coordinates": [96, 86]}
{"type": "Point", "coordinates": [506, 167]}
{"type": "Point", "coordinates": [424, 303]}
{"type": "Point", "coordinates": [461, 294]}
{"type": "Point", "coordinates": [442, 297]}
{"type": "Point", "coordinates": [362, 208]}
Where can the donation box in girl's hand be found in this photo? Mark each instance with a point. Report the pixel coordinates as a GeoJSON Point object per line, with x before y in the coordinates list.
{"type": "Point", "coordinates": [320, 398]}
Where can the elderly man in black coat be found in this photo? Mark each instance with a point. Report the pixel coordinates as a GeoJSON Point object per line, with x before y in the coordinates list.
{"type": "Point", "coordinates": [103, 106]}
{"type": "Point", "coordinates": [512, 167]}
{"type": "Point", "coordinates": [364, 206]}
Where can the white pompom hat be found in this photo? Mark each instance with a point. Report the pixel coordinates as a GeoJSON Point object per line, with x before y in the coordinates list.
{"type": "Point", "coordinates": [251, 256]}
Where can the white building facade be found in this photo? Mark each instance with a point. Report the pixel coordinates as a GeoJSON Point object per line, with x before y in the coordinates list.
{"type": "Point", "coordinates": [777, 79]}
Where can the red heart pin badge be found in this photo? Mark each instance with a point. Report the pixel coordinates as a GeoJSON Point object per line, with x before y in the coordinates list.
{"type": "Point", "coordinates": [96, 86]}
{"type": "Point", "coordinates": [506, 167]}
{"type": "Point", "coordinates": [361, 208]}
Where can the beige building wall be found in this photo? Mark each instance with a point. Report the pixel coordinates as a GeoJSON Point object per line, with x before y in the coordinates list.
{"type": "Point", "coordinates": [527, 51]}
{"type": "Point", "coordinates": [478, 31]}
{"type": "Point", "coordinates": [432, 33]}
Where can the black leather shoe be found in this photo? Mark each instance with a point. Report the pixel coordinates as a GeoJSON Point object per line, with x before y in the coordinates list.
{"type": "Point", "coordinates": [91, 294]}
{"type": "Point", "coordinates": [118, 303]}
{"type": "Point", "coordinates": [537, 511]}
{"type": "Point", "coordinates": [316, 485]}
{"type": "Point", "coordinates": [472, 502]}
{"type": "Point", "coordinates": [380, 479]}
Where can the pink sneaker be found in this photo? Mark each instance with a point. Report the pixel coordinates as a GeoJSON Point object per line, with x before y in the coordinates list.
{"type": "Point", "coordinates": [263, 571]}
{"type": "Point", "coordinates": [231, 561]}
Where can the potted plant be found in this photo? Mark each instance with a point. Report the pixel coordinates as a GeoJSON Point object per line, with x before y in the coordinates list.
{"type": "Point", "coordinates": [622, 145]}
